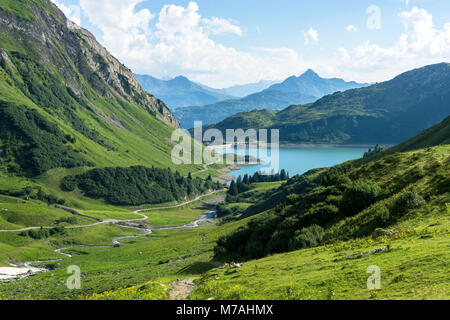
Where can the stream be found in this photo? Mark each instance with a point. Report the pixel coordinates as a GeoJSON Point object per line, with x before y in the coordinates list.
{"type": "Point", "coordinates": [29, 270]}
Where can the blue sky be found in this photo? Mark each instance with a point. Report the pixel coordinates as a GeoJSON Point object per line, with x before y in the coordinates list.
{"type": "Point", "coordinates": [222, 43]}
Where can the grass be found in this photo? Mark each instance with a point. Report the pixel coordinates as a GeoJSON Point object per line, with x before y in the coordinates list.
{"type": "Point", "coordinates": [323, 273]}
{"type": "Point", "coordinates": [152, 290]}
{"type": "Point", "coordinates": [167, 254]}
{"type": "Point", "coordinates": [16, 8]}
{"type": "Point", "coordinates": [18, 214]}
{"type": "Point", "coordinates": [175, 217]}
{"type": "Point", "coordinates": [181, 215]}
{"type": "Point", "coordinates": [143, 267]}
{"type": "Point", "coordinates": [15, 248]}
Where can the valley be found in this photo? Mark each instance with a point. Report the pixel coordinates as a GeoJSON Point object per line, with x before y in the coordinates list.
{"type": "Point", "coordinates": [92, 187]}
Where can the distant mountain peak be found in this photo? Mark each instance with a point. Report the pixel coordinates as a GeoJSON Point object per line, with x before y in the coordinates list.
{"type": "Point", "coordinates": [181, 80]}
{"type": "Point", "coordinates": [180, 91]}
{"type": "Point", "coordinates": [310, 73]}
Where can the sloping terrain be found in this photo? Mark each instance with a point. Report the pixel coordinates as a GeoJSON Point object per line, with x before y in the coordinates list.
{"type": "Point", "coordinates": [348, 201]}
{"type": "Point", "coordinates": [384, 113]}
{"type": "Point", "coordinates": [321, 235]}
{"type": "Point", "coordinates": [68, 106]}
{"type": "Point", "coordinates": [66, 102]}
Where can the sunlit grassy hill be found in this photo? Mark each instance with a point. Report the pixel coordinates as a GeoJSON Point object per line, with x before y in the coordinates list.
{"type": "Point", "coordinates": [68, 106]}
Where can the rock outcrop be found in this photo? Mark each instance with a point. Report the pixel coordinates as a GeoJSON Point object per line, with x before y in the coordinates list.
{"type": "Point", "coordinates": [74, 52]}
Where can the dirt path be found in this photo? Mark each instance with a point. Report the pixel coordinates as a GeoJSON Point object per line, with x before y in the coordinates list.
{"type": "Point", "coordinates": [13, 272]}
{"type": "Point", "coordinates": [205, 168]}
{"type": "Point", "coordinates": [181, 289]}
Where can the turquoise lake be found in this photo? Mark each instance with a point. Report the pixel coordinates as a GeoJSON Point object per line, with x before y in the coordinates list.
{"type": "Point", "coordinates": [298, 160]}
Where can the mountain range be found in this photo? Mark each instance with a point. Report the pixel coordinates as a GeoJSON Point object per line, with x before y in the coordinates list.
{"type": "Point", "coordinates": [181, 92]}
{"type": "Point", "coordinates": [306, 88]}
{"type": "Point", "coordinates": [87, 179]}
{"type": "Point", "coordinates": [241, 91]}
{"type": "Point", "coordinates": [387, 112]}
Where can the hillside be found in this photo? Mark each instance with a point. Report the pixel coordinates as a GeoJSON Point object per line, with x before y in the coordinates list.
{"type": "Point", "coordinates": [68, 107]}
{"type": "Point", "coordinates": [180, 92]}
{"type": "Point", "coordinates": [66, 102]}
{"type": "Point", "coordinates": [347, 201]}
{"type": "Point", "coordinates": [310, 237]}
{"type": "Point", "coordinates": [306, 88]}
{"type": "Point", "coordinates": [384, 113]}
{"type": "Point", "coordinates": [316, 239]}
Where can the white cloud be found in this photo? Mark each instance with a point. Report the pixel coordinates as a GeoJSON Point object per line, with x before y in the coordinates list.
{"type": "Point", "coordinates": [351, 28]}
{"type": "Point", "coordinates": [420, 44]}
{"type": "Point", "coordinates": [124, 29]}
{"type": "Point", "coordinates": [72, 12]}
{"type": "Point", "coordinates": [218, 25]}
{"type": "Point", "coordinates": [177, 41]}
{"type": "Point", "coordinates": [311, 36]}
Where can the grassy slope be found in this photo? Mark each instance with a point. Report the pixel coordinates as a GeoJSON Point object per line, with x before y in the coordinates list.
{"type": "Point", "coordinates": [165, 255]}
{"type": "Point", "coordinates": [22, 214]}
{"type": "Point", "coordinates": [307, 274]}
{"type": "Point", "coordinates": [413, 267]}
{"type": "Point", "coordinates": [17, 214]}
{"type": "Point", "coordinates": [434, 136]}
{"type": "Point", "coordinates": [141, 139]}
{"type": "Point", "coordinates": [145, 141]}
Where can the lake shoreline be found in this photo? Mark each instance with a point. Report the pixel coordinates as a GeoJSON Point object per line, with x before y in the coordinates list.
{"type": "Point", "coordinates": [298, 160]}
{"type": "Point", "coordinates": [302, 145]}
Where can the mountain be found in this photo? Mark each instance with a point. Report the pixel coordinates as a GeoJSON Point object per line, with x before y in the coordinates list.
{"type": "Point", "coordinates": [306, 88]}
{"type": "Point", "coordinates": [384, 113]}
{"type": "Point", "coordinates": [330, 222]}
{"type": "Point", "coordinates": [310, 83]}
{"type": "Point", "coordinates": [244, 90]}
{"type": "Point", "coordinates": [351, 200]}
{"type": "Point", "coordinates": [66, 102]}
{"type": "Point", "coordinates": [180, 92]}
{"type": "Point", "coordinates": [437, 135]}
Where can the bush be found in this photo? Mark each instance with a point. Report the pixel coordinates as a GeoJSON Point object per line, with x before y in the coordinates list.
{"type": "Point", "coordinates": [69, 184]}
{"type": "Point", "coordinates": [59, 230]}
{"type": "Point", "coordinates": [69, 220]}
{"type": "Point", "coordinates": [378, 216]}
{"type": "Point", "coordinates": [307, 238]}
{"type": "Point", "coordinates": [292, 199]}
{"type": "Point", "coordinates": [359, 196]}
{"type": "Point", "coordinates": [406, 201]}
{"type": "Point", "coordinates": [44, 233]}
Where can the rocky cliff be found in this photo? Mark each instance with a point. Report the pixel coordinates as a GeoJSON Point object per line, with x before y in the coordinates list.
{"type": "Point", "coordinates": [66, 48]}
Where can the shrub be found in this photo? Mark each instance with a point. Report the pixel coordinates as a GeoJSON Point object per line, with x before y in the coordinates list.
{"type": "Point", "coordinates": [406, 201]}
{"type": "Point", "coordinates": [292, 199]}
{"type": "Point", "coordinates": [69, 184]}
{"type": "Point", "coordinates": [44, 233]}
{"type": "Point", "coordinates": [69, 220]}
{"type": "Point", "coordinates": [36, 144]}
{"type": "Point", "coordinates": [307, 238]}
{"type": "Point", "coordinates": [359, 196]}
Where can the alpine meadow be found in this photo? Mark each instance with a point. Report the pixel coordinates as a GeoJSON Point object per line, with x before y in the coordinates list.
{"type": "Point", "coordinates": [300, 186]}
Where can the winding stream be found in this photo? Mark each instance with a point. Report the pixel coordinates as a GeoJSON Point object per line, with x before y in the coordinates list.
{"type": "Point", "coordinates": [117, 242]}
{"type": "Point", "coordinates": [28, 270]}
